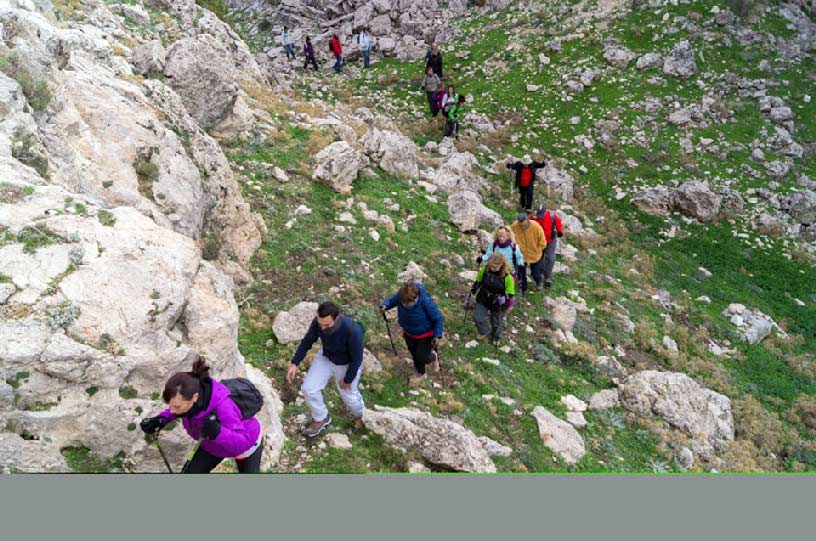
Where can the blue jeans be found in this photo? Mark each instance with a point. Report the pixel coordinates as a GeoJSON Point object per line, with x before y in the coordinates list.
{"type": "Point", "coordinates": [290, 51]}
{"type": "Point", "coordinates": [535, 270]}
{"type": "Point", "coordinates": [338, 61]}
{"type": "Point", "coordinates": [366, 57]}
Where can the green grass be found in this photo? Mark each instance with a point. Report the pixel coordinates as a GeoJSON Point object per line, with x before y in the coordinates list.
{"type": "Point", "coordinates": [81, 460]}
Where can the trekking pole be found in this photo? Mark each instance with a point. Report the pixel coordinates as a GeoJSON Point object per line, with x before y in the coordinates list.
{"type": "Point", "coordinates": [387, 326]}
{"type": "Point", "coordinates": [161, 451]}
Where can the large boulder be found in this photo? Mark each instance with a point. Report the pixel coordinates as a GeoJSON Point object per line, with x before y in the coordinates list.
{"type": "Point", "coordinates": [649, 61]}
{"type": "Point", "coordinates": [801, 205]}
{"type": "Point", "coordinates": [460, 172]}
{"type": "Point", "coordinates": [337, 165]}
{"type": "Point", "coordinates": [700, 413]}
{"type": "Point", "coordinates": [392, 151]}
{"type": "Point", "coordinates": [557, 184]}
{"type": "Point", "coordinates": [559, 436]}
{"type": "Point", "coordinates": [439, 441]}
{"type": "Point", "coordinates": [618, 56]}
{"type": "Point", "coordinates": [18, 455]}
{"type": "Point", "coordinates": [753, 325]}
{"type": "Point", "coordinates": [680, 61]}
{"type": "Point", "coordinates": [695, 199]}
{"type": "Point", "coordinates": [655, 200]}
{"type": "Point", "coordinates": [149, 58]}
{"type": "Point", "coordinates": [468, 213]}
{"type": "Point", "coordinates": [290, 326]}
{"type": "Point", "coordinates": [199, 68]}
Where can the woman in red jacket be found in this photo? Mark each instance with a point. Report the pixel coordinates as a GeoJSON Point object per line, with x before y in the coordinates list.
{"type": "Point", "coordinates": [337, 51]}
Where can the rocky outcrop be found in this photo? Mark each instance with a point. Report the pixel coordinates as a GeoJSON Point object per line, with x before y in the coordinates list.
{"type": "Point", "coordinates": [559, 436]}
{"type": "Point", "coordinates": [438, 441]}
{"type": "Point", "coordinates": [694, 198]}
{"type": "Point", "coordinates": [392, 151]}
{"type": "Point", "coordinates": [337, 165]}
{"type": "Point", "coordinates": [680, 61]}
{"type": "Point", "coordinates": [290, 326]}
{"type": "Point", "coordinates": [700, 413]}
{"type": "Point", "coordinates": [753, 325]}
{"type": "Point", "coordinates": [468, 213]}
{"type": "Point", "coordinates": [459, 172]}
{"type": "Point", "coordinates": [18, 455]}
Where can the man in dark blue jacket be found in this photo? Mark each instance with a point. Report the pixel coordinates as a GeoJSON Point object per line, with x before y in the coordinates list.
{"type": "Point", "coordinates": [341, 358]}
{"type": "Point", "coordinates": [421, 323]}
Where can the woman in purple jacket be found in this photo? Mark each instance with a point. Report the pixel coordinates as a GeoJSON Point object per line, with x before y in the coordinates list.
{"type": "Point", "coordinates": [209, 416]}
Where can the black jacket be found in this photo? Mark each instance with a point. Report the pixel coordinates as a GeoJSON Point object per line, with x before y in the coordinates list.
{"type": "Point", "coordinates": [518, 166]}
{"type": "Point", "coordinates": [434, 61]}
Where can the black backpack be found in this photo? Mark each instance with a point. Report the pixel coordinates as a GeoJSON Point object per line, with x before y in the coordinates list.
{"type": "Point", "coordinates": [245, 395]}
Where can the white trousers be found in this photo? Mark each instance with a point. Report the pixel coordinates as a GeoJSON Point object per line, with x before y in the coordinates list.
{"type": "Point", "coordinates": [319, 374]}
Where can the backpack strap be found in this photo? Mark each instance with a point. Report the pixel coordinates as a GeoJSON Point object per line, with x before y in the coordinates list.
{"type": "Point", "coordinates": [552, 219]}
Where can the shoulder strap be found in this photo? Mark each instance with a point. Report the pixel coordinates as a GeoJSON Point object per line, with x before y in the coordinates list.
{"type": "Point", "coordinates": [515, 260]}
{"type": "Point", "coordinates": [552, 225]}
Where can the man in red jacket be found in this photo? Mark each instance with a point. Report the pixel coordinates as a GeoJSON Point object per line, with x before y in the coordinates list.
{"type": "Point", "coordinates": [526, 170]}
{"type": "Point", "coordinates": [337, 51]}
{"type": "Point", "coordinates": [550, 222]}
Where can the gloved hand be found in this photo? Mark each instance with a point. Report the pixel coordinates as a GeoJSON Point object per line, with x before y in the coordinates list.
{"type": "Point", "coordinates": [502, 300]}
{"type": "Point", "coordinates": [211, 428]}
{"type": "Point", "coordinates": [560, 234]}
{"type": "Point", "coordinates": [479, 260]}
{"type": "Point", "coordinates": [469, 298]}
{"type": "Point", "coordinates": [150, 425]}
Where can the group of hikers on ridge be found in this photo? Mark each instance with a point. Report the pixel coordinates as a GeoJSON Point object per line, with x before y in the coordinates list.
{"type": "Point", "coordinates": [335, 47]}
{"type": "Point", "coordinates": [221, 415]}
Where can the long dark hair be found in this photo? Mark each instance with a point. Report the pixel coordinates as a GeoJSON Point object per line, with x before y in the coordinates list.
{"type": "Point", "coordinates": [187, 384]}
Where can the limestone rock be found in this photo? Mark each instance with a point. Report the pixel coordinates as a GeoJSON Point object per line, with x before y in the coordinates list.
{"type": "Point", "coordinates": [392, 151]}
{"type": "Point", "coordinates": [602, 400]}
{"type": "Point", "coordinates": [559, 436]}
{"type": "Point", "coordinates": [149, 58]}
{"type": "Point", "coordinates": [618, 56]}
{"type": "Point", "coordinates": [680, 62]}
{"type": "Point", "coordinates": [290, 327]}
{"type": "Point", "coordinates": [337, 165]}
{"type": "Point", "coordinates": [468, 213]}
{"type": "Point", "coordinates": [438, 441]}
{"type": "Point", "coordinates": [459, 172]}
{"type": "Point", "coordinates": [22, 456]}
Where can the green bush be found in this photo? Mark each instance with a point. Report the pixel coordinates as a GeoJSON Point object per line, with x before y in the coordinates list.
{"type": "Point", "coordinates": [36, 92]}
{"type": "Point", "coordinates": [24, 149]}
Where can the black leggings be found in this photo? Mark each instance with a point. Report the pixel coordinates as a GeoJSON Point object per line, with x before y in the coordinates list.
{"type": "Point", "coordinates": [526, 197]}
{"type": "Point", "coordinates": [420, 349]}
{"type": "Point", "coordinates": [204, 462]}
{"type": "Point", "coordinates": [312, 60]}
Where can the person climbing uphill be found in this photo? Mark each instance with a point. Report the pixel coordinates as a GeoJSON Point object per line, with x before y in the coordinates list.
{"type": "Point", "coordinates": [288, 43]}
{"type": "Point", "coordinates": [532, 241]}
{"type": "Point", "coordinates": [421, 323]}
{"type": "Point", "coordinates": [430, 83]}
{"type": "Point", "coordinates": [340, 357]}
{"type": "Point", "coordinates": [495, 286]}
{"type": "Point", "coordinates": [337, 51]}
{"type": "Point", "coordinates": [504, 243]}
{"type": "Point", "coordinates": [550, 222]}
{"type": "Point", "coordinates": [209, 415]}
{"type": "Point", "coordinates": [433, 59]}
{"type": "Point", "coordinates": [449, 100]}
{"type": "Point", "coordinates": [364, 43]}
{"type": "Point", "coordinates": [439, 98]}
{"type": "Point", "coordinates": [309, 53]}
{"type": "Point", "coordinates": [526, 170]}
{"type": "Point", "coordinates": [452, 124]}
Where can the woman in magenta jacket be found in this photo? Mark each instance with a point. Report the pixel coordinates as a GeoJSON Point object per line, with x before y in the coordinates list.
{"type": "Point", "coordinates": [209, 416]}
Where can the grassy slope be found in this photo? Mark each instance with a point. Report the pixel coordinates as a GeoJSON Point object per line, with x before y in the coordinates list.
{"type": "Point", "coordinates": [760, 277]}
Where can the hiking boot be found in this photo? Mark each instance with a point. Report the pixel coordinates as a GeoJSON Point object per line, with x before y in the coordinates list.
{"type": "Point", "coordinates": [434, 363]}
{"type": "Point", "coordinates": [548, 283]}
{"type": "Point", "coordinates": [316, 427]}
{"type": "Point", "coordinates": [537, 286]}
{"type": "Point", "coordinates": [357, 423]}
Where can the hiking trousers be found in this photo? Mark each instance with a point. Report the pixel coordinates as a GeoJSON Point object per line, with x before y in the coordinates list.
{"type": "Point", "coordinates": [549, 259]}
{"type": "Point", "coordinates": [366, 57]}
{"type": "Point", "coordinates": [526, 197]}
{"type": "Point", "coordinates": [451, 128]}
{"type": "Point", "coordinates": [312, 60]}
{"type": "Point", "coordinates": [432, 103]}
{"type": "Point", "coordinates": [204, 462]}
{"type": "Point", "coordinates": [290, 51]}
{"type": "Point", "coordinates": [481, 316]}
{"type": "Point", "coordinates": [338, 61]}
{"type": "Point", "coordinates": [535, 270]}
{"type": "Point", "coordinates": [420, 349]}
{"type": "Point", "coordinates": [318, 376]}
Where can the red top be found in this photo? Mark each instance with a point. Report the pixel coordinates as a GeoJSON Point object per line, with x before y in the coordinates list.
{"type": "Point", "coordinates": [526, 176]}
{"type": "Point", "coordinates": [546, 224]}
{"type": "Point", "coordinates": [335, 46]}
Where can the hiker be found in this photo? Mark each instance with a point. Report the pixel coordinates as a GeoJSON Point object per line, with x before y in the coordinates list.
{"type": "Point", "coordinates": [496, 287]}
{"type": "Point", "coordinates": [209, 415]}
{"type": "Point", "coordinates": [288, 43]}
{"type": "Point", "coordinates": [433, 59]}
{"type": "Point", "coordinates": [364, 43]}
{"type": "Point", "coordinates": [504, 243]}
{"type": "Point", "coordinates": [431, 84]}
{"type": "Point", "coordinates": [308, 52]}
{"type": "Point", "coordinates": [450, 99]}
{"type": "Point", "coordinates": [340, 357]}
{"type": "Point", "coordinates": [452, 124]}
{"type": "Point", "coordinates": [526, 170]}
{"type": "Point", "coordinates": [337, 51]}
{"type": "Point", "coordinates": [421, 324]}
{"type": "Point", "coordinates": [438, 98]}
{"type": "Point", "coordinates": [532, 241]}
{"type": "Point", "coordinates": [550, 222]}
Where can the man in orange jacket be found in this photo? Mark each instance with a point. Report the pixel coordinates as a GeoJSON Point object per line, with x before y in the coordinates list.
{"type": "Point", "coordinates": [532, 242]}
